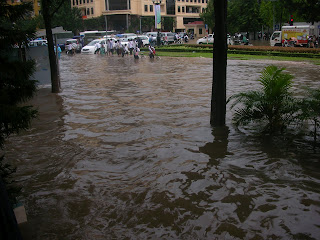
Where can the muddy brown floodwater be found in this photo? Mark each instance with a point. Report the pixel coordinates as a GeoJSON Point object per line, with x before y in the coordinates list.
{"type": "Point", "coordinates": [126, 151]}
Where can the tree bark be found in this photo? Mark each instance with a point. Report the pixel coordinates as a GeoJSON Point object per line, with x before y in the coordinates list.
{"type": "Point", "coordinates": [218, 98]}
{"type": "Point", "coordinates": [55, 80]}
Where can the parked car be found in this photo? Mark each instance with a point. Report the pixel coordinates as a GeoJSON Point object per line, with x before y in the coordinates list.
{"type": "Point", "coordinates": [90, 48]}
{"type": "Point", "coordinates": [125, 40]}
{"type": "Point", "coordinates": [38, 42]}
{"type": "Point", "coordinates": [168, 37]}
{"type": "Point", "coordinates": [124, 37]}
{"type": "Point", "coordinates": [152, 37]}
{"type": "Point", "coordinates": [145, 39]}
{"type": "Point", "coordinates": [206, 40]}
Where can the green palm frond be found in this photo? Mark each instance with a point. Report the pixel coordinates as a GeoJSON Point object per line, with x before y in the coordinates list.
{"type": "Point", "coordinates": [273, 105]}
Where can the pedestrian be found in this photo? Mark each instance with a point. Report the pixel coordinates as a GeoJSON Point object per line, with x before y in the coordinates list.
{"type": "Point", "coordinates": [186, 38]}
{"type": "Point", "coordinates": [97, 47]}
{"type": "Point", "coordinates": [118, 47]}
{"type": "Point", "coordinates": [69, 49]}
{"type": "Point", "coordinates": [59, 51]}
{"type": "Point", "coordinates": [130, 46]}
{"type": "Point", "coordinates": [102, 48]}
{"type": "Point", "coordinates": [110, 46]}
{"type": "Point", "coordinates": [124, 50]}
{"type": "Point", "coordinates": [136, 53]}
{"type": "Point", "coordinates": [140, 43]}
{"type": "Point", "coordinates": [176, 38]}
{"type": "Point", "coordinates": [152, 51]}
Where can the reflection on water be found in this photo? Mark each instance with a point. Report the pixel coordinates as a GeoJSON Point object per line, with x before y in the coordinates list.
{"type": "Point", "coordinates": [126, 152]}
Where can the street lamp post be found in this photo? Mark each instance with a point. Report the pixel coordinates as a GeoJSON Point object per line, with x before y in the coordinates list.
{"type": "Point", "coordinates": [157, 19]}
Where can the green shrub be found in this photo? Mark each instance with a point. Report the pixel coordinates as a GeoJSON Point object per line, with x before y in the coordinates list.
{"type": "Point", "coordinates": [273, 107]}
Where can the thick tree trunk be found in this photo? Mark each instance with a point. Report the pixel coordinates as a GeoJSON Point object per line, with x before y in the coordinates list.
{"type": "Point", "coordinates": [55, 80]}
{"type": "Point", "coordinates": [218, 99]}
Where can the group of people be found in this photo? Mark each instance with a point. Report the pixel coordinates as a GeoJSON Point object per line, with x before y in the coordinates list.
{"type": "Point", "coordinates": [116, 47]}
{"type": "Point", "coordinates": [313, 41]}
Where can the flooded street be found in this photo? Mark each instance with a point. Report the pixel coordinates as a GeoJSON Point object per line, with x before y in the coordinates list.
{"type": "Point", "coordinates": [126, 151]}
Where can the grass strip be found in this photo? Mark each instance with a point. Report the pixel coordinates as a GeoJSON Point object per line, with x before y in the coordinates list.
{"type": "Point", "coordinates": [247, 50]}
{"type": "Point", "coordinates": [243, 52]}
{"type": "Point", "coordinates": [238, 56]}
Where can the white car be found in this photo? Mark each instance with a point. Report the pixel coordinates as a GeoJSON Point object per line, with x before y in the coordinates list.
{"type": "Point", "coordinates": [145, 39]}
{"type": "Point", "coordinates": [38, 42]}
{"type": "Point", "coordinates": [126, 36]}
{"type": "Point", "coordinates": [206, 40]}
{"type": "Point", "coordinates": [124, 41]}
{"type": "Point", "coordinates": [91, 47]}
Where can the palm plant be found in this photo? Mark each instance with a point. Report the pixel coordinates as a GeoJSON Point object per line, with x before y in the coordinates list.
{"type": "Point", "coordinates": [273, 105]}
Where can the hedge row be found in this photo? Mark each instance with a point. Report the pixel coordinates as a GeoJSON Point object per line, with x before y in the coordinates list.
{"type": "Point", "coordinates": [263, 48]}
{"type": "Point", "coordinates": [250, 50]}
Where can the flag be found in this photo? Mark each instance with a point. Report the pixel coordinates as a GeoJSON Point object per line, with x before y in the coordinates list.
{"type": "Point", "coordinates": [157, 16]}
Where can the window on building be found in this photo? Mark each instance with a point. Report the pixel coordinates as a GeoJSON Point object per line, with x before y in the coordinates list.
{"type": "Point", "coordinates": [91, 10]}
{"type": "Point", "coordinates": [87, 1]}
{"type": "Point", "coordinates": [187, 0]}
{"type": "Point", "coordinates": [91, 0]}
{"type": "Point", "coordinates": [88, 11]}
{"type": "Point", "coordinates": [182, 9]}
{"type": "Point", "coordinates": [199, 1]}
{"type": "Point", "coordinates": [119, 4]}
{"type": "Point", "coordinates": [190, 0]}
{"type": "Point", "coordinates": [146, 8]}
{"type": "Point", "coordinates": [206, 1]}
{"type": "Point", "coordinates": [77, 2]}
{"type": "Point", "coordinates": [80, 1]}
{"type": "Point", "coordinates": [179, 10]}
{"type": "Point", "coordinates": [202, 1]}
{"type": "Point", "coordinates": [73, 2]}
{"type": "Point", "coordinates": [171, 7]}
{"type": "Point", "coordinates": [200, 31]}
{"type": "Point", "coordinates": [151, 8]}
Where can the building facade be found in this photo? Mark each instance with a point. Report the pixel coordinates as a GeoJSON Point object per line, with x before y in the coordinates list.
{"type": "Point", "coordinates": [120, 14]}
{"type": "Point", "coordinates": [36, 5]}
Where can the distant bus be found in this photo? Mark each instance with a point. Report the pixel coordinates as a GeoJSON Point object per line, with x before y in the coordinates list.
{"type": "Point", "coordinates": [89, 36]}
{"type": "Point", "coordinates": [62, 37]}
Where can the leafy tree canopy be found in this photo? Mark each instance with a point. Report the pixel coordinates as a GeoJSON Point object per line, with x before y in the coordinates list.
{"type": "Point", "coordinates": [252, 15]}
{"type": "Point", "coordinates": [307, 9]}
{"type": "Point", "coordinates": [69, 18]}
{"type": "Point", "coordinates": [15, 84]}
{"type": "Point", "coordinates": [208, 14]}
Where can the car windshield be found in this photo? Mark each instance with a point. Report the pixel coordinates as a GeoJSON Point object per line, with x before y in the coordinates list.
{"type": "Point", "coordinates": [93, 43]}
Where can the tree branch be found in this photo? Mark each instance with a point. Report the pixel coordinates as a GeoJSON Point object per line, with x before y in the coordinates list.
{"type": "Point", "coordinates": [57, 8]}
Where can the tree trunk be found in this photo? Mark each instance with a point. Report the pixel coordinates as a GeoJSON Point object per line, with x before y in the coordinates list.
{"type": "Point", "coordinates": [218, 98]}
{"type": "Point", "coordinates": [55, 80]}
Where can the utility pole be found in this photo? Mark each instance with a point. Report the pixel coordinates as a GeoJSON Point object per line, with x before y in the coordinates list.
{"type": "Point", "coordinates": [106, 21]}
{"type": "Point", "coordinates": [218, 98]}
